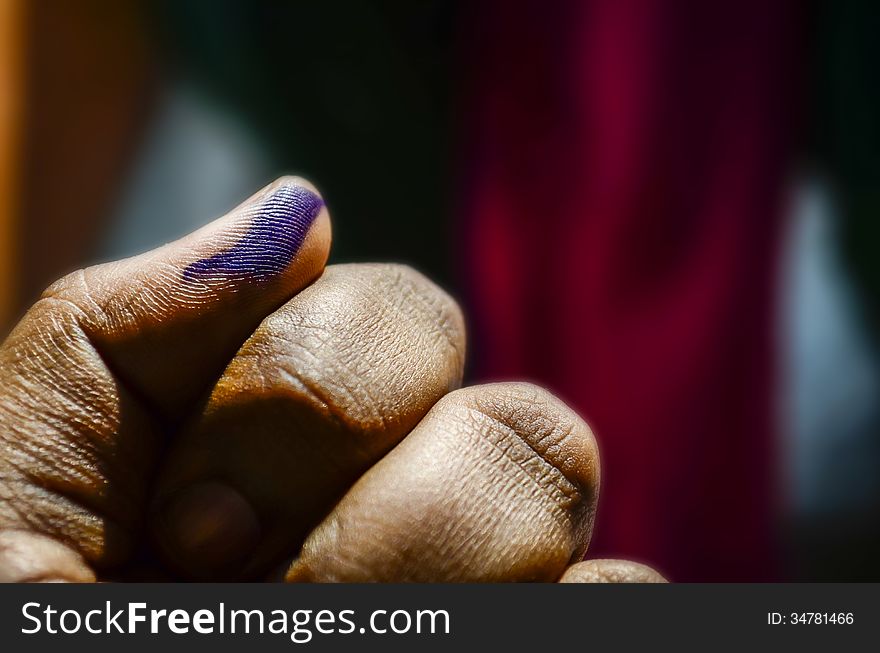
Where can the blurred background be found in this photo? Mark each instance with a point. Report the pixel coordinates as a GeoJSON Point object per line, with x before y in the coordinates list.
{"type": "Point", "coordinates": [668, 212]}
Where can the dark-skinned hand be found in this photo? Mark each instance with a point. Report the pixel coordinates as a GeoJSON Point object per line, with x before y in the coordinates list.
{"type": "Point", "coordinates": [226, 407]}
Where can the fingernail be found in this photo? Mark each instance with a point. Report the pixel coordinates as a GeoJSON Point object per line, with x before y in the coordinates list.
{"type": "Point", "coordinates": [208, 528]}
{"type": "Point", "coordinates": [278, 225]}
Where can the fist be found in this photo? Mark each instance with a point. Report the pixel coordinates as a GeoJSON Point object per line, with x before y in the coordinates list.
{"type": "Point", "coordinates": [227, 408]}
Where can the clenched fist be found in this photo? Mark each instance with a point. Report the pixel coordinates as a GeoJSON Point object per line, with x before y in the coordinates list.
{"type": "Point", "coordinates": [224, 407]}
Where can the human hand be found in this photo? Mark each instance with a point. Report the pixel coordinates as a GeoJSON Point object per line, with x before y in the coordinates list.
{"type": "Point", "coordinates": [224, 407]}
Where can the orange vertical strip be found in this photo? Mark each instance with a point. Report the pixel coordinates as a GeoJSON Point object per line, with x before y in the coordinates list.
{"type": "Point", "coordinates": [11, 92]}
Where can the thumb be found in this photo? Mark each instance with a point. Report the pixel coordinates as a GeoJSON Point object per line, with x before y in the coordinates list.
{"type": "Point", "coordinates": [96, 371]}
{"type": "Point", "coordinates": [196, 300]}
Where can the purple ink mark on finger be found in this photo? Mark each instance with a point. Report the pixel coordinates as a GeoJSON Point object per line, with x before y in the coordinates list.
{"type": "Point", "coordinates": [278, 229]}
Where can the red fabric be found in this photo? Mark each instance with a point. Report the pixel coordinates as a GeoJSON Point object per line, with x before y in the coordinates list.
{"type": "Point", "coordinates": [625, 162]}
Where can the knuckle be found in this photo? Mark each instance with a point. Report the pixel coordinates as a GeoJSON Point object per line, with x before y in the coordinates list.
{"type": "Point", "coordinates": [552, 430]}
{"type": "Point", "coordinates": [407, 293]}
{"type": "Point", "coordinates": [75, 292]}
{"type": "Point", "coordinates": [360, 344]}
{"type": "Point", "coordinates": [535, 450]}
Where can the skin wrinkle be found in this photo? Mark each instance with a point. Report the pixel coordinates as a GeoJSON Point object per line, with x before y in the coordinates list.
{"type": "Point", "coordinates": [361, 411]}
{"type": "Point", "coordinates": [94, 308]}
{"type": "Point", "coordinates": [465, 495]}
{"type": "Point", "coordinates": [498, 420]}
{"type": "Point", "coordinates": [404, 279]}
{"type": "Point", "coordinates": [506, 500]}
{"type": "Point", "coordinates": [78, 524]}
{"type": "Point", "coordinates": [85, 322]}
{"type": "Point", "coordinates": [554, 485]}
{"type": "Point", "coordinates": [289, 374]}
{"type": "Point", "coordinates": [9, 505]}
{"type": "Point", "coordinates": [363, 406]}
{"type": "Point", "coordinates": [436, 302]}
{"type": "Point", "coordinates": [526, 412]}
{"type": "Point", "coordinates": [76, 475]}
{"type": "Point", "coordinates": [47, 377]}
{"type": "Point", "coordinates": [312, 392]}
{"type": "Point", "coordinates": [75, 468]}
